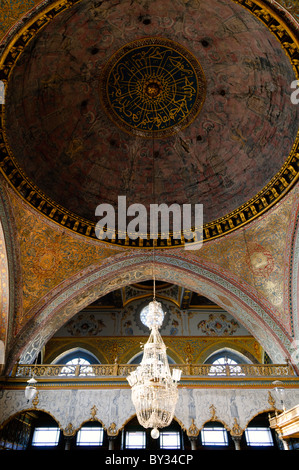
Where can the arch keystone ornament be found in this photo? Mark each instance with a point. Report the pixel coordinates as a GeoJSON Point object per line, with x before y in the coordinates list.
{"type": "Point", "coordinates": [69, 431]}
{"type": "Point", "coordinates": [112, 430]}
{"type": "Point", "coordinates": [193, 430]}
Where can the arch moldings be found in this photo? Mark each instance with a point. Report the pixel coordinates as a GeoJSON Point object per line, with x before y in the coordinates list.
{"type": "Point", "coordinates": [126, 269]}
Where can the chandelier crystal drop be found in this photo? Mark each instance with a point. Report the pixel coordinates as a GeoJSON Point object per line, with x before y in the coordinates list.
{"type": "Point", "coordinates": [154, 389]}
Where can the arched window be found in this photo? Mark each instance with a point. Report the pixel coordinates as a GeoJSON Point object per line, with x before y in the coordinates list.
{"type": "Point", "coordinates": [91, 434]}
{"type": "Point", "coordinates": [224, 358]}
{"type": "Point", "coordinates": [46, 433]}
{"type": "Point", "coordinates": [215, 436]}
{"type": "Point", "coordinates": [74, 358]}
{"type": "Point", "coordinates": [134, 436]}
{"type": "Point", "coordinates": [259, 434]}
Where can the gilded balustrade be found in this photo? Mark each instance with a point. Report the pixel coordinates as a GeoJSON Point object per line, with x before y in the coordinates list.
{"type": "Point", "coordinates": [123, 370]}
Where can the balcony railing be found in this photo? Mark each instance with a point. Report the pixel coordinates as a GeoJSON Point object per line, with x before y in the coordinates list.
{"type": "Point", "coordinates": [123, 370]}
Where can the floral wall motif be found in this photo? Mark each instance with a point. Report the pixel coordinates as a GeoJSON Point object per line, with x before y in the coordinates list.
{"type": "Point", "coordinates": [11, 11]}
{"type": "Point", "coordinates": [85, 325]}
{"type": "Point", "coordinates": [4, 288]}
{"type": "Point", "coordinates": [259, 255]}
{"type": "Point", "coordinates": [114, 405]}
{"type": "Point", "coordinates": [292, 6]}
{"type": "Point", "coordinates": [11, 279]}
{"type": "Point", "coordinates": [218, 324]}
{"type": "Point", "coordinates": [48, 255]}
{"type": "Point", "coordinates": [189, 335]}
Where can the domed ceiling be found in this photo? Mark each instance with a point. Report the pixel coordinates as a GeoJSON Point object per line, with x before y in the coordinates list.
{"type": "Point", "coordinates": [114, 99]}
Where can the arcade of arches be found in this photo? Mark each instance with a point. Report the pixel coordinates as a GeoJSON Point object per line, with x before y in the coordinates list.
{"type": "Point", "coordinates": [167, 102]}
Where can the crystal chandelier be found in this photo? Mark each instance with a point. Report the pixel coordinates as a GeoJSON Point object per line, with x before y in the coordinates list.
{"type": "Point", "coordinates": [154, 389]}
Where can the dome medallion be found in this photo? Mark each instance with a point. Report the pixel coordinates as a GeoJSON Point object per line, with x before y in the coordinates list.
{"type": "Point", "coordinates": [152, 87]}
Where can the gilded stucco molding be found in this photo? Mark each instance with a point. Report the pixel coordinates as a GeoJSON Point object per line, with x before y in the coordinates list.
{"type": "Point", "coordinates": [112, 430]}
{"type": "Point", "coordinates": [271, 400]}
{"type": "Point", "coordinates": [69, 431]}
{"type": "Point", "coordinates": [192, 431]}
{"type": "Point", "coordinates": [236, 430]}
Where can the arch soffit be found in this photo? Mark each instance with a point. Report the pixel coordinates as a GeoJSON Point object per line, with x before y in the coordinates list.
{"type": "Point", "coordinates": [293, 286]}
{"type": "Point", "coordinates": [11, 292]}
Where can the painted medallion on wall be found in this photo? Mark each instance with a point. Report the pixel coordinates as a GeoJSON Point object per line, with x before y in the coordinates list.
{"type": "Point", "coordinates": [152, 87]}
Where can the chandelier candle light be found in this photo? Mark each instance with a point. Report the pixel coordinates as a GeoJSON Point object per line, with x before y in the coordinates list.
{"type": "Point", "coordinates": [154, 389]}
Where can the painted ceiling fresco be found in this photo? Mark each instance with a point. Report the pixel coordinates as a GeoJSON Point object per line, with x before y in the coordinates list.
{"type": "Point", "coordinates": [48, 256]}
{"type": "Point", "coordinates": [71, 150]}
{"type": "Point", "coordinates": [12, 10]}
{"type": "Point", "coordinates": [78, 157]}
{"type": "Point", "coordinates": [257, 260]}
